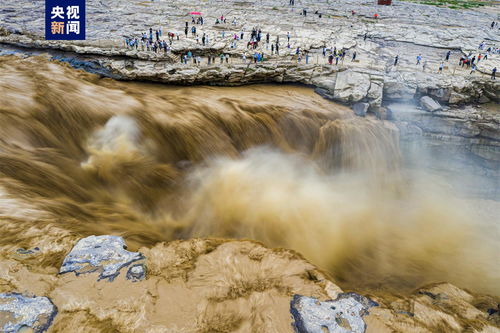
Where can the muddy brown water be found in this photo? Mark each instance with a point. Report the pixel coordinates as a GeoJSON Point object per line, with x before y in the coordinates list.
{"type": "Point", "coordinates": [80, 155]}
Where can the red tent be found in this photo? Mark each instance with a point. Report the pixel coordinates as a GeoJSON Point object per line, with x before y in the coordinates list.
{"type": "Point", "coordinates": [194, 13]}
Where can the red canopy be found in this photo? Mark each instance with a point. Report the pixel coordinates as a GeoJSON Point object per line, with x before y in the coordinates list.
{"type": "Point", "coordinates": [194, 13]}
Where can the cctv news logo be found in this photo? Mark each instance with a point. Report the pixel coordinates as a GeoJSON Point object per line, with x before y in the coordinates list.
{"type": "Point", "coordinates": [64, 19]}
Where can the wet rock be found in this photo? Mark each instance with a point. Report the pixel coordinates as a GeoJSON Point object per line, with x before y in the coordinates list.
{"type": "Point", "coordinates": [136, 273]}
{"type": "Point", "coordinates": [429, 104]}
{"type": "Point", "coordinates": [103, 254]}
{"type": "Point", "coordinates": [27, 251]}
{"type": "Point", "coordinates": [342, 315]}
{"type": "Point", "coordinates": [18, 311]}
{"type": "Point", "coordinates": [360, 109]}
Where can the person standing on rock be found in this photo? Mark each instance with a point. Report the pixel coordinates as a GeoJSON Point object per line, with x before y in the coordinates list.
{"type": "Point", "coordinates": [353, 56]}
{"type": "Point", "coordinates": [272, 48]}
{"type": "Point", "coordinates": [447, 58]}
{"type": "Point", "coordinates": [186, 30]}
{"type": "Point", "coordinates": [396, 58]}
{"type": "Point", "coordinates": [267, 38]}
{"type": "Point", "coordinates": [441, 68]}
{"type": "Point", "coordinates": [494, 73]}
{"type": "Point", "coordinates": [337, 60]}
{"type": "Point", "coordinates": [288, 36]}
{"type": "Point", "coordinates": [244, 58]}
{"type": "Point", "coordinates": [473, 69]}
{"type": "Point", "coordinates": [419, 58]}
{"type": "Point", "coordinates": [424, 66]}
{"type": "Point", "coordinates": [330, 59]}
{"type": "Point", "coordinates": [227, 58]}
{"type": "Point", "coordinates": [222, 58]}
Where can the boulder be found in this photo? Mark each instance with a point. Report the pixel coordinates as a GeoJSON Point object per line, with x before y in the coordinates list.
{"type": "Point", "coordinates": [351, 86]}
{"type": "Point", "coordinates": [360, 109]}
{"type": "Point", "coordinates": [429, 104]}
{"type": "Point", "coordinates": [18, 311]}
{"type": "Point", "coordinates": [343, 314]}
{"type": "Point", "coordinates": [103, 254]}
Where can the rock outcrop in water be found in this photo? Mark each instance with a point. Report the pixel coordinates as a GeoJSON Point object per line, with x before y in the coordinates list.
{"type": "Point", "coordinates": [22, 312]}
{"type": "Point", "coordinates": [105, 254]}
{"type": "Point", "coordinates": [342, 315]}
{"type": "Point", "coordinates": [210, 285]}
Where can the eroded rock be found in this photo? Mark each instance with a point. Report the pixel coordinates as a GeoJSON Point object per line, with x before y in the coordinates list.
{"type": "Point", "coordinates": [342, 315]}
{"type": "Point", "coordinates": [429, 104]}
{"type": "Point", "coordinates": [18, 311]}
{"type": "Point", "coordinates": [103, 254]}
{"type": "Point", "coordinates": [360, 109]}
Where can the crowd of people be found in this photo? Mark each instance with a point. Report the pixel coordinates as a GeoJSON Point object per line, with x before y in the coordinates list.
{"type": "Point", "coordinates": [259, 42]}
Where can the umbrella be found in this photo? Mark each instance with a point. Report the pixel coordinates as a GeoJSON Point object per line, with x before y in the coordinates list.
{"type": "Point", "coordinates": [194, 13]}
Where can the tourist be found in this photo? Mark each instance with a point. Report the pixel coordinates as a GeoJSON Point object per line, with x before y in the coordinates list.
{"type": "Point", "coordinates": [288, 36]}
{"type": "Point", "coordinates": [396, 58]}
{"type": "Point", "coordinates": [324, 51]}
{"type": "Point", "coordinates": [424, 66]}
{"type": "Point", "coordinates": [272, 48]}
{"type": "Point", "coordinates": [419, 58]}
{"type": "Point", "coordinates": [227, 58]}
{"type": "Point", "coordinates": [473, 69]}
{"type": "Point", "coordinates": [299, 58]}
{"type": "Point", "coordinates": [222, 58]}
{"type": "Point", "coordinates": [244, 58]}
{"type": "Point", "coordinates": [307, 58]}
{"type": "Point", "coordinates": [493, 73]}
{"type": "Point", "coordinates": [441, 68]}
{"type": "Point", "coordinates": [337, 60]}
{"type": "Point", "coordinates": [353, 56]}
{"type": "Point", "coordinates": [447, 58]}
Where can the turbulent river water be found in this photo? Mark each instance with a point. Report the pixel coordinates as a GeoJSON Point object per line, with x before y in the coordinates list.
{"type": "Point", "coordinates": [81, 155]}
